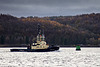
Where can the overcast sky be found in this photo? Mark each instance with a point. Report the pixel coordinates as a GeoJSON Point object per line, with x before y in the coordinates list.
{"type": "Point", "coordinates": [49, 7]}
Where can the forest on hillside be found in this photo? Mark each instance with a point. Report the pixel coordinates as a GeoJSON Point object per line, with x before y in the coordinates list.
{"type": "Point", "coordinates": [59, 30]}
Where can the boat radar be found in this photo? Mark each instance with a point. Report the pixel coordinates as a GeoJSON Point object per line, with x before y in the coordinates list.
{"type": "Point", "coordinates": [39, 45]}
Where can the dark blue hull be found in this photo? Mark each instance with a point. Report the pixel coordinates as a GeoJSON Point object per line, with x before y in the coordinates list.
{"type": "Point", "coordinates": [35, 50]}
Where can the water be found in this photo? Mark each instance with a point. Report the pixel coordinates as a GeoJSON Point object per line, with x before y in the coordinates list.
{"type": "Point", "coordinates": [65, 57]}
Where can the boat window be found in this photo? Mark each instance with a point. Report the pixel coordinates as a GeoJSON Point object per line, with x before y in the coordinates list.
{"type": "Point", "coordinates": [33, 45]}
{"type": "Point", "coordinates": [38, 44]}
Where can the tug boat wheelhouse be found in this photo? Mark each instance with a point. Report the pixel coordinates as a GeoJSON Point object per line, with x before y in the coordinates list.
{"type": "Point", "coordinates": [39, 45]}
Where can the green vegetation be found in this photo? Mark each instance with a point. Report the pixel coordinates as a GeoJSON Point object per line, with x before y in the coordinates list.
{"type": "Point", "coordinates": [61, 30]}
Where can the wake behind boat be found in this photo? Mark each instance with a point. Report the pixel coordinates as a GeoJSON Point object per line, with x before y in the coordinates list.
{"type": "Point", "coordinates": [39, 45]}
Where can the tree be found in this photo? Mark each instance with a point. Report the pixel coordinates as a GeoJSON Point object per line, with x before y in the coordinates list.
{"type": "Point", "coordinates": [2, 39]}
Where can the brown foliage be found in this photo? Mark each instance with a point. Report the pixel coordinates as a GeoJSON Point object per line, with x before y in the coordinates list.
{"type": "Point", "coordinates": [62, 30]}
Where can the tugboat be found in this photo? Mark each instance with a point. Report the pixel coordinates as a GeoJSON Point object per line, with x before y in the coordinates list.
{"type": "Point", "coordinates": [39, 45]}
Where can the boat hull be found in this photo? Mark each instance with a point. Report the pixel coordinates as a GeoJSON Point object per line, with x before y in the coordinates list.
{"type": "Point", "coordinates": [35, 50]}
{"type": "Point", "coordinates": [78, 49]}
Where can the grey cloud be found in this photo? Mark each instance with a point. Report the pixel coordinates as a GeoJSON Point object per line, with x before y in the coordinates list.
{"type": "Point", "coordinates": [48, 7]}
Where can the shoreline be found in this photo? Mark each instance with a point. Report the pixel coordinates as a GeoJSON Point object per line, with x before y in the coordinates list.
{"type": "Point", "coordinates": [24, 45]}
{"type": "Point", "coordinates": [59, 46]}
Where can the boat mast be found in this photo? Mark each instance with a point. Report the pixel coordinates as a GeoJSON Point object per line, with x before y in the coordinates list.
{"type": "Point", "coordinates": [40, 36]}
{"type": "Point", "coordinates": [39, 29]}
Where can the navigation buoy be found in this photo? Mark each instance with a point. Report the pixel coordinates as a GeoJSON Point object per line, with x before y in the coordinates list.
{"type": "Point", "coordinates": [78, 48]}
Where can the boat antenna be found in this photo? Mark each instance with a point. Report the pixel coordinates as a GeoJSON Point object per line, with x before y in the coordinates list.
{"type": "Point", "coordinates": [43, 30]}
{"type": "Point", "coordinates": [39, 29]}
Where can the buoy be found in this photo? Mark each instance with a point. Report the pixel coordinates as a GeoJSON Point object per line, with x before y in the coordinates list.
{"type": "Point", "coordinates": [78, 47]}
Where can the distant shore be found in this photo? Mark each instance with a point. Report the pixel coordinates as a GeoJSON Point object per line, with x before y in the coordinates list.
{"type": "Point", "coordinates": [24, 45]}
{"type": "Point", "coordinates": [81, 46]}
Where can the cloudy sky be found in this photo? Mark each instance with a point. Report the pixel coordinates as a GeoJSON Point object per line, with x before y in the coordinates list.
{"type": "Point", "coordinates": [49, 7]}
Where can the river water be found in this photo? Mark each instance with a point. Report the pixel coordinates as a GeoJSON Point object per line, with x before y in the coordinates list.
{"type": "Point", "coordinates": [65, 57]}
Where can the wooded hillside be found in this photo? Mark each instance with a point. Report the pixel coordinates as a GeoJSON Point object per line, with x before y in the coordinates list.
{"type": "Point", "coordinates": [61, 30]}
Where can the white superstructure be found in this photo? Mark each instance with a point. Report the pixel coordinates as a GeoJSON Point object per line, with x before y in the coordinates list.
{"type": "Point", "coordinates": [40, 42]}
